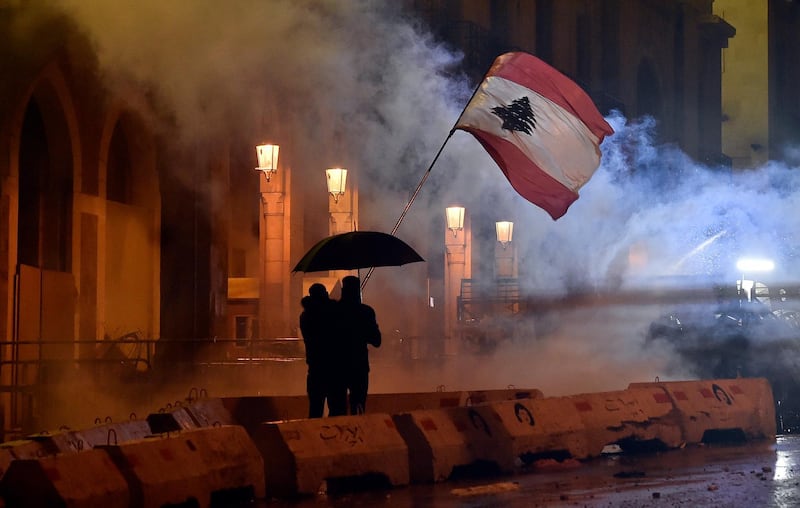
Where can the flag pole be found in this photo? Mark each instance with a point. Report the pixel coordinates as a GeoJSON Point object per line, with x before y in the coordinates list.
{"type": "Point", "coordinates": [427, 173]}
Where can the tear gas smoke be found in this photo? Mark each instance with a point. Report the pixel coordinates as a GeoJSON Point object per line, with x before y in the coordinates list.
{"type": "Point", "coordinates": [361, 81]}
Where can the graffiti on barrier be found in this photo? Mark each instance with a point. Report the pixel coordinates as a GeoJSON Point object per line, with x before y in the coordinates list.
{"type": "Point", "coordinates": [348, 434]}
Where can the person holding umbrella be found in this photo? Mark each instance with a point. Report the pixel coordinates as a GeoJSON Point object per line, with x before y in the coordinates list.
{"type": "Point", "coordinates": [321, 382]}
{"type": "Point", "coordinates": [358, 329]}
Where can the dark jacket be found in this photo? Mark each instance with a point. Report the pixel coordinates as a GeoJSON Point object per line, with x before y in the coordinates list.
{"type": "Point", "coordinates": [358, 327]}
{"type": "Point", "coordinates": [316, 326]}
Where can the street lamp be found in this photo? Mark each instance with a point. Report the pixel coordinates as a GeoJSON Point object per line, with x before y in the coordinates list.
{"type": "Point", "coordinates": [505, 230]}
{"type": "Point", "coordinates": [267, 159]}
{"type": "Point", "coordinates": [337, 179]}
{"type": "Point", "coordinates": [455, 218]}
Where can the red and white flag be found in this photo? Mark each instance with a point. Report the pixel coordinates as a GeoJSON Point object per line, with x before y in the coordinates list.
{"type": "Point", "coordinates": [540, 127]}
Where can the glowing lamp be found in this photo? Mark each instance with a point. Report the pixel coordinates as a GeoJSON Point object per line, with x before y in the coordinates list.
{"type": "Point", "coordinates": [337, 179]}
{"type": "Point", "coordinates": [455, 218]}
{"type": "Point", "coordinates": [267, 159]}
{"type": "Point", "coordinates": [505, 230]}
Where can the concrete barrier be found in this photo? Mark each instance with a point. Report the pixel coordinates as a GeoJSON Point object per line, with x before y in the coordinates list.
{"type": "Point", "coordinates": [436, 448]}
{"type": "Point", "coordinates": [402, 402]}
{"type": "Point", "coordinates": [216, 466]}
{"type": "Point", "coordinates": [302, 454]}
{"type": "Point", "coordinates": [728, 409]}
{"type": "Point", "coordinates": [85, 479]}
{"type": "Point", "coordinates": [635, 419]}
{"type": "Point", "coordinates": [171, 419]}
{"type": "Point", "coordinates": [110, 434]}
{"type": "Point", "coordinates": [251, 412]}
{"type": "Point", "coordinates": [482, 396]}
{"type": "Point", "coordinates": [210, 412]}
{"type": "Point", "coordinates": [541, 428]}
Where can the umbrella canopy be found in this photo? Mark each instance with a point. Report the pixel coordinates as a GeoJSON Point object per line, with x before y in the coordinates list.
{"type": "Point", "coordinates": [357, 249]}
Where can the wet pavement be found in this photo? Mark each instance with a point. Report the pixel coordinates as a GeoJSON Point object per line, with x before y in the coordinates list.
{"type": "Point", "coordinates": [759, 474]}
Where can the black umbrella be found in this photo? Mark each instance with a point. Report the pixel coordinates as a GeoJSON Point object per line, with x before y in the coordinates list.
{"type": "Point", "coordinates": [357, 249]}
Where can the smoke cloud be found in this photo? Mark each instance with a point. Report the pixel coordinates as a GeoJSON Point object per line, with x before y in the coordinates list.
{"type": "Point", "coordinates": [360, 81]}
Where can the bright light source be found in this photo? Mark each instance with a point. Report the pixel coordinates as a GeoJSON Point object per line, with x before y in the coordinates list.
{"type": "Point", "coordinates": [267, 159]}
{"type": "Point", "coordinates": [337, 179]}
{"type": "Point", "coordinates": [505, 231]}
{"type": "Point", "coordinates": [455, 218]}
{"type": "Point", "coordinates": [755, 265]}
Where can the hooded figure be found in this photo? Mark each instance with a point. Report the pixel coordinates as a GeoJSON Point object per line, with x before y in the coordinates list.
{"type": "Point", "coordinates": [357, 329]}
{"type": "Point", "coordinates": [316, 321]}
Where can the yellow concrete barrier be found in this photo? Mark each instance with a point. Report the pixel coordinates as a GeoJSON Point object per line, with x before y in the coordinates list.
{"type": "Point", "coordinates": [638, 418]}
{"type": "Point", "coordinates": [84, 479]}
{"type": "Point", "coordinates": [208, 466]}
{"type": "Point", "coordinates": [741, 408]}
{"type": "Point", "coordinates": [302, 454]}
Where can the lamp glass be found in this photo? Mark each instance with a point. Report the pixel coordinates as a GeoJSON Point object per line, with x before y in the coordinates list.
{"type": "Point", "coordinates": [337, 180]}
{"type": "Point", "coordinates": [455, 218]}
{"type": "Point", "coordinates": [267, 157]}
{"type": "Point", "coordinates": [505, 231]}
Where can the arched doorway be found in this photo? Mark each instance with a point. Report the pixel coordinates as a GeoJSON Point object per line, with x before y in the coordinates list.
{"type": "Point", "coordinates": [44, 287]}
{"type": "Point", "coordinates": [132, 217]}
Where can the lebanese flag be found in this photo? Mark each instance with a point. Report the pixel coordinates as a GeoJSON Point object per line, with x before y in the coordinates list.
{"type": "Point", "coordinates": [540, 127]}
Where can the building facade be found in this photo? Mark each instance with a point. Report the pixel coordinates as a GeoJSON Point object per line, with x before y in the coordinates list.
{"type": "Point", "coordinates": [113, 228]}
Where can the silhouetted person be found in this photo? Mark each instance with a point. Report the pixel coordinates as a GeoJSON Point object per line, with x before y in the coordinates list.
{"type": "Point", "coordinates": [316, 323]}
{"type": "Point", "coordinates": [357, 328]}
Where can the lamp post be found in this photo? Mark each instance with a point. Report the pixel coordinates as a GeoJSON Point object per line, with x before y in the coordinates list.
{"type": "Point", "coordinates": [455, 219]}
{"type": "Point", "coordinates": [273, 233]}
{"type": "Point", "coordinates": [505, 258]}
{"type": "Point", "coordinates": [343, 208]}
{"type": "Point", "coordinates": [337, 181]}
{"type": "Point", "coordinates": [267, 155]}
{"type": "Point", "coordinates": [457, 259]}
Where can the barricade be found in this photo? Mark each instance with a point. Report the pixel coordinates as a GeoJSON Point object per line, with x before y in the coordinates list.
{"type": "Point", "coordinates": [251, 412]}
{"type": "Point", "coordinates": [483, 396]}
{"type": "Point", "coordinates": [302, 454]}
{"type": "Point", "coordinates": [85, 479]}
{"type": "Point", "coordinates": [209, 412]}
{"type": "Point", "coordinates": [739, 408]}
{"type": "Point", "coordinates": [213, 465]}
{"type": "Point", "coordinates": [401, 402]}
{"type": "Point", "coordinates": [113, 433]}
{"type": "Point", "coordinates": [541, 428]}
{"type": "Point", "coordinates": [635, 419]}
{"type": "Point", "coordinates": [436, 448]}
{"type": "Point", "coordinates": [171, 419]}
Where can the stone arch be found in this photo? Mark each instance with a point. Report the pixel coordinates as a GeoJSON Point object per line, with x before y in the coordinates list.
{"type": "Point", "coordinates": [48, 155]}
{"type": "Point", "coordinates": [129, 248]}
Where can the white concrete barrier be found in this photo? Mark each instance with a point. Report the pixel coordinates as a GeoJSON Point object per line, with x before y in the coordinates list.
{"type": "Point", "coordinates": [208, 466]}
{"type": "Point", "coordinates": [436, 448]}
{"type": "Point", "coordinates": [82, 479]}
{"type": "Point", "coordinates": [638, 418]}
{"type": "Point", "coordinates": [401, 402]}
{"type": "Point", "coordinates": [300, 455]}
{"type": "Point", "coordinates": [708, 409]}
{"type": "Point", "coordinates": [251, 412]}
{"type": "Point", "coordinates": [541, 428]}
